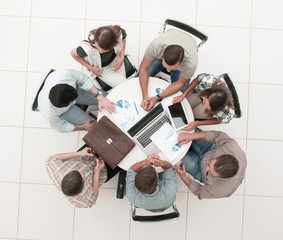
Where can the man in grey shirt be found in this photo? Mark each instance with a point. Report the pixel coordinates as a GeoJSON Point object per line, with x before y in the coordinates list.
{"type": "Point", "coordinates": [146, 189]}
{"type": "Point", "coordinates": [214, 159]}
{"type": "Point", "coordinates": [57, 100]}
{"type": "Point", "coordinates": [178, 53]}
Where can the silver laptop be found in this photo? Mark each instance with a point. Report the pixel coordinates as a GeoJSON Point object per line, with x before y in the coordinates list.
{"type": "Point", "coordinates": [146, 127]}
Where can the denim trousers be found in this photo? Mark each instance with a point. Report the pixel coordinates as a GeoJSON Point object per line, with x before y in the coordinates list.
{"type": "Point", "coordinates": [76, 115]}
{"type": "Point", "coordinates": [192, 159]}
{"type": "Point", "coordinates": [157, 66]}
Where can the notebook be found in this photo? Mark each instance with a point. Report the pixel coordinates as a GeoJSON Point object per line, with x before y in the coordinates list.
{"type": "Point", "coordinates": [108, 141]}
{"type": "Point", "coordinates": [146, 127]}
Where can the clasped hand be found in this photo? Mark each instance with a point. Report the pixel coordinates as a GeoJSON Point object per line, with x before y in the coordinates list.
{"type": "Point", "coordinates": [148, 103]}
{"type": "Point", "coordinates": [154, 159]}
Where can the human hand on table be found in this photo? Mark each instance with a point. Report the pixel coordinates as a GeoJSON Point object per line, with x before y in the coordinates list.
{"type": "Point", "coordinates": [184, 138]}
{"type": "Point", "coordinates": [104, 102]}
{"type": "Point", "coordinates": [178, 98]}
{"type": "Point", "coordinates": [191, 126]}
{"type": "Point", "coordinates": [152, 102]}
{"type": "Point", "coordinates": [145, 103]}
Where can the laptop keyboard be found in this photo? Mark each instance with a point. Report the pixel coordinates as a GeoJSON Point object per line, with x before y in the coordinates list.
{"type": "Point", "coordinates": [144, 139]}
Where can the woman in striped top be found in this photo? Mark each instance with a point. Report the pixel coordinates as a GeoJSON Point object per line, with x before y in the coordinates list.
{"type": "Point", "coordinates": [103, 55]}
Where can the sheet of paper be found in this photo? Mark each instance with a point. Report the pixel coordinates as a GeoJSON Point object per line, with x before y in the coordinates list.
{"type": "Point", "coordinates": [128, 112]}
{"type": "Point", "coordinates": [166, 139]}
{"type": "Point", "coordinates": [166, 101]}
{"type": "Point", "coordinates": [156, 90]}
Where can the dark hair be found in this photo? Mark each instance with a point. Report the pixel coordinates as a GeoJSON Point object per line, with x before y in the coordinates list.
{"type": "Point", "coordinates": [173, 54]}
{"type": "Point", "coordinates": [218, 96]}
{"type": "Point", "coordinates": [107, 37]}
{"type": "Point", "coordinates": [62, 94]}
{"type": "Point", "coordinates": [72, 184]}
{"type": "Point", "coordinates": [226, 166]}
{"type": "Point", "coordinates": [146, 180]}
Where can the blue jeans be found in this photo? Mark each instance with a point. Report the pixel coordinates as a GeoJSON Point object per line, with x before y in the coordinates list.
{"type": "Point", "coordinates": [192, 159]}
{"type": "Point", "coordinates": [157, 66]}
{"type": "Point", "coordinates": [76, 115]}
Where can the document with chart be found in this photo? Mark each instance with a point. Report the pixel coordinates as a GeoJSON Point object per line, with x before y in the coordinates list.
{"type": "Point", "coordinates": [166, 139]}
{"type": "Point", "coordinates": [128, 112]}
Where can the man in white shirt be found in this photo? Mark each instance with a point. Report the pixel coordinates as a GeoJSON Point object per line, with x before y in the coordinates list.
{"type": "Point", "coordinates": [65, 88]}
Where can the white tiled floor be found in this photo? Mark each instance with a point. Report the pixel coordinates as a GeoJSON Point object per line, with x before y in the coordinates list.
{"type": "Point", "coordinates": [245, 40]}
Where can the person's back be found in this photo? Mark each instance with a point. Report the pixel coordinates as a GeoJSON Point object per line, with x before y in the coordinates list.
{"type": "Point", "coordinates": [176, 37]}
{"type": "Point", "coordinates": [145, 189]}
{"type": "Point", "coordinates": [57, 100]}
{"type": "Point", "coordinates": [214, 159]}
{"type": "Point", "coordinates": [175, 51]}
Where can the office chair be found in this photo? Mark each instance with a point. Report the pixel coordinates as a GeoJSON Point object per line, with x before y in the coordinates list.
{"type": "Point", "coordinates": [155, 217]}
{"type": "Point", "coordinates": [230, 85]}
{"type": "Point", "coordinates": [232, 89]}
{"type": "Point", "coordinates": [186, 28]}
{"type": "Point", "coordinates": [35, 101]}
{"type": "Point", "coordinates": [130, 70]}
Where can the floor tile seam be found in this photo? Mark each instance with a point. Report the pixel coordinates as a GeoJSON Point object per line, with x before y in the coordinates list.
{"type": "Point", "coordinates": [237, 138]}
{"type": "Point", "coordinates": [23, 121]}
{"type": "Point", "coordinates": [135, 21]}
{"type": "Point", "coordinates": [139, 41]}
{"type": "Point", "coordinates": [264, 139]}
{"type": "Point", "coordinates": [247, 122]}
{"type": "Point", "coordinates": [263, 196]}
{"type": "Point", "coordinates": [32, 183]}
{"type": "Point", "coordinates": [71, 18]}
{"type": "Point", "coordinates": [187, 216]}
{"type": "Point", "coordinates": [266, 84]}
{"type": "Point", "coordinates": [15, 16]}
{"type": "Point", "coordinates": [240, 27]}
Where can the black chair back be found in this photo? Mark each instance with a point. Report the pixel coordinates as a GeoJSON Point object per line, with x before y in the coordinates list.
{"type": "Point", "coordinates": [130, 70]}
{"type": "Point", "coordinates": [35, 101]}
{"type": "Point", "coordinates": [230, 85]}
{"type": "Point", "coordinates": [187, 28]}
{"type": "Point", "coordinates": [155, 218]}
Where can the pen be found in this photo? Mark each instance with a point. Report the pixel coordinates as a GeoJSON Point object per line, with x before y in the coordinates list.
{"type": "Point", "coordinates": [136, 108]}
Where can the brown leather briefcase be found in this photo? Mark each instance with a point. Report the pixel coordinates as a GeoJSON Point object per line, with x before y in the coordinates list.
{"type": "Point", "coordinates": [109, 142]}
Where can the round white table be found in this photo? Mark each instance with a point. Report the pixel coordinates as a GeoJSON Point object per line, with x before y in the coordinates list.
{"type": "Point", "coordinates": [131, 89]}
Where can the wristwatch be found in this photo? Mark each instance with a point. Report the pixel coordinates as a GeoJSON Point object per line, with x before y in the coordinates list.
{"type": "Point", "coordinates": [159, 99]}
{"type": "Point", "coordinates": [98, 93]}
